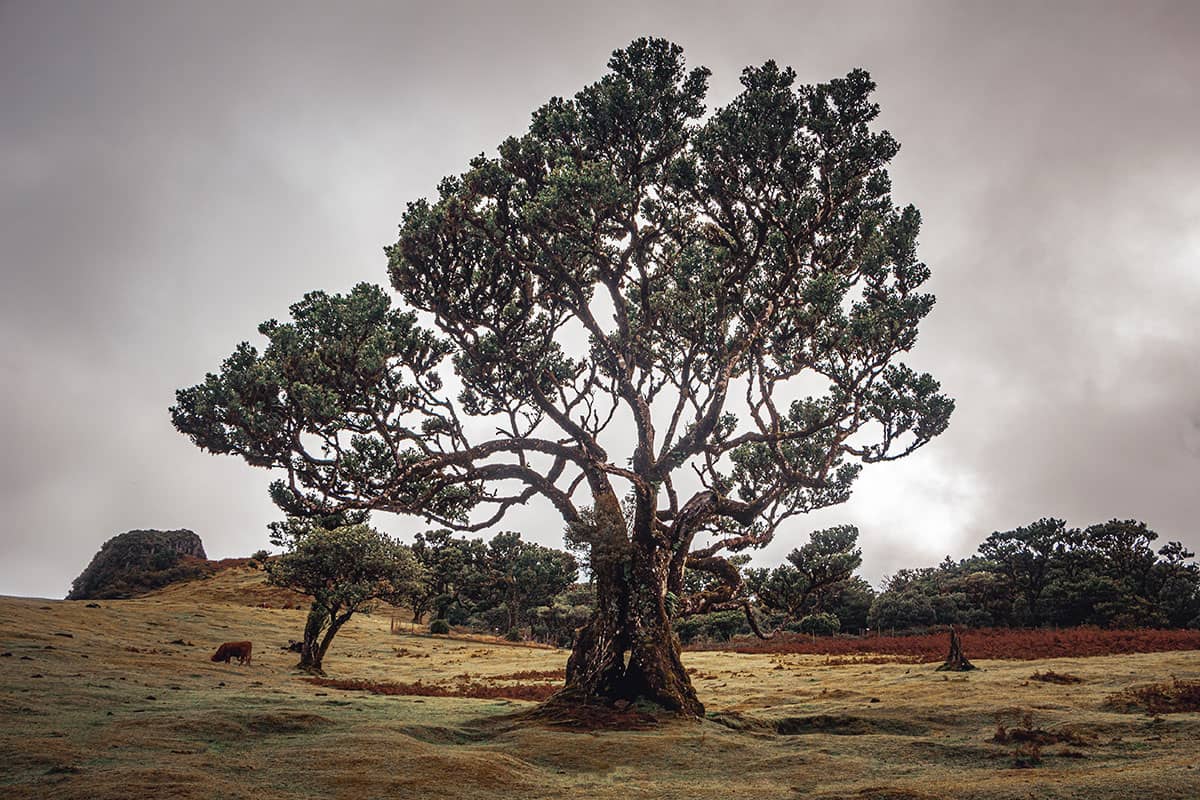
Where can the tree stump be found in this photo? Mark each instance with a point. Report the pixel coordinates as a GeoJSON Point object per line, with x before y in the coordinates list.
{"type": "Point", "coordinates": [955, 661]}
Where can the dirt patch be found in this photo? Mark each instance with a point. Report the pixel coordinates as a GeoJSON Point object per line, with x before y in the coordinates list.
{"type": "Point", "coordinates": [588, 717]}
{"type": "Point", "coordinates": [286, 723]}
{"type": "Point", "coordinates": [441, 734]}
{"type": "Point", "coordinates": [880, 793]}
{"type": "Point", "coordinates": [177, 783]}
{"type": "Point", "coordinates": [227, 726]}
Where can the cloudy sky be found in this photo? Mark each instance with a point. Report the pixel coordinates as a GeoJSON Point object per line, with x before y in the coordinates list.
{"type": "Point", "coordinates": [171, 174]}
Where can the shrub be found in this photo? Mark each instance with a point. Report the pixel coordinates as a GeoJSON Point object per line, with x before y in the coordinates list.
{"type": "Point", "coordinates": [720, 626]}
{"type": "Point", "coordinates": [514, 635]}
{"type": "Point", "coordinates": [820, 624]}
{"type": "Point", "coordinates": [260, 556]}
{"type": "Point", "coordinates": [439, 626]}
{"type": "Point", "coordinates": [1159, 698]}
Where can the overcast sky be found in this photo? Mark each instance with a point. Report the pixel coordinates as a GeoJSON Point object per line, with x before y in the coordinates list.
{"type": "Point", "coordinates": [171, 174]}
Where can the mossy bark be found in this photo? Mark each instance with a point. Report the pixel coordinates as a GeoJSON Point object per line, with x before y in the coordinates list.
{"type": "Point", "coordinates": [628, 653]}
{"type": "Point", "coordinates": [319, 631]}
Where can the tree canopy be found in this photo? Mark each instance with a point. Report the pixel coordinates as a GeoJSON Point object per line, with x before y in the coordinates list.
{"type": "Point", "coordinates": [819, 567]}
{"type": "Point", "coordinates": [680, 327]}
{"type": "Point", "coordinates": [345, 570]}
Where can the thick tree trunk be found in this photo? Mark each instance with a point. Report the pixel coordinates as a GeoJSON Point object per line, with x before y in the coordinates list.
{"type": "Point", "coordinates": [628, 652]}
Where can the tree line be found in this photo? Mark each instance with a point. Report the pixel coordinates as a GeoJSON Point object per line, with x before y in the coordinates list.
{"type": "Point", "coordinates": [1049, 574]}
{"type": "Point", "coordinates": [1037, 575]}
{"type": "Point", "coordinates": [1041, 574]}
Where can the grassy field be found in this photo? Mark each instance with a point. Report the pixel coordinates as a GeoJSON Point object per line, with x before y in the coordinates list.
{"type": "Point", "coordinates": [121, 701]}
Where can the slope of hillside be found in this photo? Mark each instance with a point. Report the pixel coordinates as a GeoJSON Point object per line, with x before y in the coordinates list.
{"type": "Point", "coordinates": [121, 700]}
{"type": "Point", "coordinates": [236, 581]}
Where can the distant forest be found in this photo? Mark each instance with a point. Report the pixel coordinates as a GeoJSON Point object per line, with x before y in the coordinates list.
{"type": "Point", "coordinates": [1041, 575]}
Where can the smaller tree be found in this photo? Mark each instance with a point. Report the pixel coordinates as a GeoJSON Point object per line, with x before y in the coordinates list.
{"type": "Point", "coordinates": [814, 570]}
{"type": "Point", "coordinates": [1178, 581]}
{"type": "Point", "coordinates": [820, 624]}
{"type": "Point", "coordinates": [345, 570]}
{"type": "Point", "coordinates": [520, 576]}
{"type": "Point", "coordinates": [451, 564]}
{"type": "Point", "coordinates": [850, 601]}
{"type": "Point", "coordinates": [1026, 558]}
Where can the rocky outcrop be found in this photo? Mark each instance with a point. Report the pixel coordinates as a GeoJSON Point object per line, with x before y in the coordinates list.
{"type": "Point", "coordinates": [136, 562]}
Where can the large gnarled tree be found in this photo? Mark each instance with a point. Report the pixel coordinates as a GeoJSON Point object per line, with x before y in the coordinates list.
{"type": "Point", "coordinates": [679, 329]}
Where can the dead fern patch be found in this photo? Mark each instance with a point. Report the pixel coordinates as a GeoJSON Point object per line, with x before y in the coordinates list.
{"type": "Point", "coordinates": [1172, 697]}
{"type": "Point", "coordinates": [1050, 676]}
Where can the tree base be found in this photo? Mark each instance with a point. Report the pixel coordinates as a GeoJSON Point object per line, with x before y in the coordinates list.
{"type": "Point", "coordinates": [568, 708]}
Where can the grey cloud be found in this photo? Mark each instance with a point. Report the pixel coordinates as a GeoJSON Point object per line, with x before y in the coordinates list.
{"type": "Point", "coordinates": [172, 175]}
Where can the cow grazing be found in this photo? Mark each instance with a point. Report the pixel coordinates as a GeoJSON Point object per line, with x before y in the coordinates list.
{"type": "Point", "coordinates": [238, 650]}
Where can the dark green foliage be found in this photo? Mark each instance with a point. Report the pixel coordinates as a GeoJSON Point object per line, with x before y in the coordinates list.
{"type": "Point", "coordinates": [497, 585]}
{"type": "Point", "coordinates": [137, 562]}
{"type": "Point", "coordinates": [338, 372]}
{"type": "Point", "coordinates": [1024, 557]}
{"type": "Point", "coordinates": [440, 626]}
{"type": "Point", "coordinates": [557, 622]}
{"type": "Point", "coordinates": [345, 570]}
{"type": "Point", "coordinates": [632, 256]}
{"type": "Point", "coordinates": [719, 626]}
{"type": "Point", "coordinates": [451, 565]}
{"type": "Point", "coordinates": [1048, 574]}
{"type": "Point", "coordinates": [901, 611]}
{"type": "Point", "coordinates": [518, 576]}
{"type": "Point", "coordinates": [850, 601]}
{"type": "Point", "coordinates": [819, 624]}
{"type": "Point", "coordinates": [813, 572]}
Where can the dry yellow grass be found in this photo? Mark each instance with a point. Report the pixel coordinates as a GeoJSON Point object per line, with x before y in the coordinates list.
{"type": "Point", "coordinates": [128, 705]}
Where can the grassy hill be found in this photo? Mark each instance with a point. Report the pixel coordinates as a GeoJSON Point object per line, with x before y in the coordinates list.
{"type": "Point", "coordinates": [121, 701]}
{"type": "Point", "coordinates": [235, 581]}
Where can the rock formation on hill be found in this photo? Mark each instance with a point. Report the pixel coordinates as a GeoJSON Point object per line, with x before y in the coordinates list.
{"type": "Point", "coordinates": [136, 562]}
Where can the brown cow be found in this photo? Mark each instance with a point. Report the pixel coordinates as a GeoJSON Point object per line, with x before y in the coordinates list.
{"type": "Point", "coordinates": [238, 650]}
